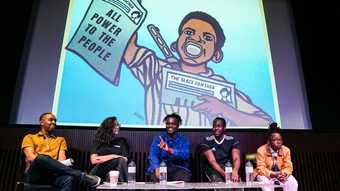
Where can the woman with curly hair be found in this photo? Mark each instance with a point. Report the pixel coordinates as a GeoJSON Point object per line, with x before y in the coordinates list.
{"type": "Point", "coordinates": [109, 152]}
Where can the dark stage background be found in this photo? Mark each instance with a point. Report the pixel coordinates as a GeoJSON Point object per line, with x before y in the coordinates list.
{"type": "Point", "coordinates": [315, 153]}
{"type": "Point", "coordinates": [317, 36]}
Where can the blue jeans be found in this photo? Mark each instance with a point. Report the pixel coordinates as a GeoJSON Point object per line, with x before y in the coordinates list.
{"type": "Point", "coordinates": [45, 170]}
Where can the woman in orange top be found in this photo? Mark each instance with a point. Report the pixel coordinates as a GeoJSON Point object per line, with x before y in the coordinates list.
{"type": "Point", "coordinates": [274, 165]}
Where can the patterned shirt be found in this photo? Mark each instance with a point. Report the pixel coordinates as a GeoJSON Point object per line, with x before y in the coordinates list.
{"type": "Point", "coordinates": [147, 68]}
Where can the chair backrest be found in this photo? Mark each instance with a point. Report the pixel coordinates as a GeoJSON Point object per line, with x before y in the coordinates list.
{"type": "Point", "coordinates": [252, 158]}
{"type": "Point", "coordinates": [21, 183]}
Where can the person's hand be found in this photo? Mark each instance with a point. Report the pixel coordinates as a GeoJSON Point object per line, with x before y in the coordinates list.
{"type": "Point", "coordinates": [157, 173]}
{"type": "Point", "coordinates": [235, 177]}
{"type": "Point", "coordinates": [126, 159]}
{"type": "Point", "coordinates": [212, 106]}
{"type": "Point", "coordinates": [274, 174]}
{"type": "Point", "coordinates": [163, 145]}
{"type": "Point", "coordinates": [282, 177]}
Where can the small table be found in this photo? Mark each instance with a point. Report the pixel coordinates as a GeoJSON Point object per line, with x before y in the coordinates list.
{"type": "Point", "coordinates": [182, 186]}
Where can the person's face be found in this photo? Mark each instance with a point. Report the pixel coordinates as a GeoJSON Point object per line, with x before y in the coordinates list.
{"type": "Point", "coordinates": [196, 43]}
{"type": "Point", "coordinates": [218, 128]}
{"type": "Point", "coordinates": [115, 128]}
{"type": "Point", "coordinates": [276, 141]}
{"type": "Point", "coordinates": [171, 125]}
{"type": "Point", "coordinates": [48, 122]}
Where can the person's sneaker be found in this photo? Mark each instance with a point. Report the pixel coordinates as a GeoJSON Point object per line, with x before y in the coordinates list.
{"type": "Point", "coordinates": [91, 180]}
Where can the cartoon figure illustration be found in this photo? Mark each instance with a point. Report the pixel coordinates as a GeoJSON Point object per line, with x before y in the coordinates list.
{"type": "Point", "coordinates": [136, 16]}
{"type": "Point", "coordinates": [225, 95]}
{"type": "Point", "coordinates": [200, 40]}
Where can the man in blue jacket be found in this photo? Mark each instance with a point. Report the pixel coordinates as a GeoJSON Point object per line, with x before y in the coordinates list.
{"type": "Point", "coordinates": [173, 149]}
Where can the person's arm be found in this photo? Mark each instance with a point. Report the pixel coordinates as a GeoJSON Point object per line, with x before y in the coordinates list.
{"type": "Point", "coordinates": [62, 150]}
{"type": "Point", "coordinates": [287, 167]}
{"type": "Point", "coordinates": [30, 155]}
{"type": "Point", "coordinates": [62, 155]}
{"type": "Point", "coordinates": [154, 160]}
{"type": "Point", "coordinates": [261, 165]}
{"type": "Point", "coordinates": [209, 155]}
{"type": "Point", "coordinates": [96, 159]}
{"type": "Point", "coordinates": [28, 148]}
{"type": "Point", "coordinates": [213, 107]}
{"type": "Point", "coordinates": [182, 152]}
{"type": "Point", "coordinates": [235, 154]}
{"type": "Point", "coordinates": [179, 151]}
{"type": "Point", "coordinates": [125, 148]}
{"type": "Point", "coordinates": [131, 49]}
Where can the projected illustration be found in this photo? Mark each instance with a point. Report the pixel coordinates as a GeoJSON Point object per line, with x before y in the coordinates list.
{"type": "Point", "coordinates": [142, 60]}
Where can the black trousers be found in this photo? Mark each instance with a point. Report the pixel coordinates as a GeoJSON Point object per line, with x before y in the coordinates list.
{"type": "Point", "coordinates": [174, 173]}
{"type": "Point", "coordinates": [213, 176]}
{"type": "Point", "coordinates": [103, 169]}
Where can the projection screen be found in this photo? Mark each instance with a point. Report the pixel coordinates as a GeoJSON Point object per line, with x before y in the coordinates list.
{"type": "Point", "coordinates": [141, 60]}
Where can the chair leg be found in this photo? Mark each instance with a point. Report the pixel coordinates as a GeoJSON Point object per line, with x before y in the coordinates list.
{"type": "Point", "coordinates": [18, 186]}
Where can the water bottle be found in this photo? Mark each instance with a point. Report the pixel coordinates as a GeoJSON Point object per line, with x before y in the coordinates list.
{"type": "Point", "coordinates": [228, 171]}
{"type": "Point", "coordinates": [163, 173]}
{"type": "Point", "coordinates": [131, 172]}
{"type": "Point", "coordinates": [249, 172]}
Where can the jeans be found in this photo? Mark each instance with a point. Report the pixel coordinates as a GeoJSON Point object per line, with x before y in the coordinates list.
{"type": "Point", "coordinates": [45, 170]}
{"type": "Point", "coordinates": [103, 169]}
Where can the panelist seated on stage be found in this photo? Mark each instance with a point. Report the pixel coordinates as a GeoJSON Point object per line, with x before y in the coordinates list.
{"type": "Point", "coordinates": [173, 149]}
{"type": "Point", "coordinates": [218, 149]}
{"type": "Point", "coordinates": [274, 165]}
{"type": "Point", "coordinates": [45, 156]}
{"type": "Point", "coordinates": [109, 152]}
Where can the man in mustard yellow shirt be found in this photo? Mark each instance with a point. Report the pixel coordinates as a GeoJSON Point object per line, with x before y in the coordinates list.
{"type": "Point", "coordinates": [45, 156]}
{"type": "Point", "coordinates": [274, 165]}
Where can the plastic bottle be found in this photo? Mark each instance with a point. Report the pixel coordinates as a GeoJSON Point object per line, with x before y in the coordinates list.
{"type": "Point", "coordinates": [163, 173]}
{"type": "Point", "coordinates": [131, 172]}
{"type": "Point", "coordinates": [228, 171]}
{"type": "Point", "coordinates": [249, 172]}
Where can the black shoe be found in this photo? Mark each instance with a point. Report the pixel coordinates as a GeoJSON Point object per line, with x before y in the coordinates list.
{"type": "Point", "coordinates": [91, 180]}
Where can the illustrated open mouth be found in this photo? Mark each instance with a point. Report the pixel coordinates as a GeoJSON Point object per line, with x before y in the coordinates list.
{"type": "Point", "coordinates": [193, 50]}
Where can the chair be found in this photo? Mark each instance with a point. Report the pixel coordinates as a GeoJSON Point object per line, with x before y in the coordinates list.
{"type": "Point", "coordinates": [252, 158]}
{"type": "Point", "coordinates": [22, 185]}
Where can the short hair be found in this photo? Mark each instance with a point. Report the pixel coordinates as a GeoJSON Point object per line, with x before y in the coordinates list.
{"type": "Point", "coordinates": [173, 115]}
{"type": "Point", "coordinates": [220, 119]}
{"type": "Point", "coordinates": [209, 19]}
{"type": "Point", "coordinates": [46, 113]}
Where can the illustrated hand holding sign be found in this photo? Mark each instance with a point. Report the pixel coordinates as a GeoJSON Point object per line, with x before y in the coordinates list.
{"type": "Point", "coordinates": [182, 89]}
{"type": "Point", "coordinates": [104, 32]}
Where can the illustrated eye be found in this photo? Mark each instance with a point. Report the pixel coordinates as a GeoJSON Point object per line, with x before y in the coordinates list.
{"type": "Point", "coordinates": [208, 37]}
{"type": "Point", "coordinates": [189, 32]}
